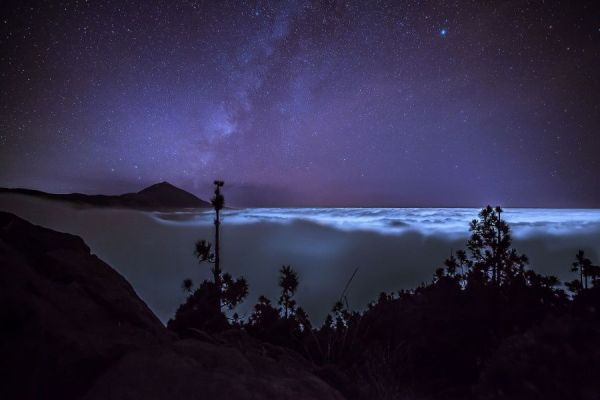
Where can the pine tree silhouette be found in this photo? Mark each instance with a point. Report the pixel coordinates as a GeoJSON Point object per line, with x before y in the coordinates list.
{"type": "Point", "coordinates": [288, 282]}
{"type": "Point", "coordinates": [187, 285]}
{"type": "Point", "coordinates": [489, 259]}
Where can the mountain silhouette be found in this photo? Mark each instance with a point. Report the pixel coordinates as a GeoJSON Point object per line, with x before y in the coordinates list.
{"type": "Point", "coordinates": [159, 196]}
{"type": "Point", "coordinates": [166, 195]}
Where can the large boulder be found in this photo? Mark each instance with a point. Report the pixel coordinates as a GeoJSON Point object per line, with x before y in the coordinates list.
{"type": "Point", "coordinates": [72, 327]}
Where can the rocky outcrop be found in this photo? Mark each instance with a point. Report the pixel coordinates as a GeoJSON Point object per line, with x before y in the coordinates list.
{"type": "Point", "coordinates": [72, 327]}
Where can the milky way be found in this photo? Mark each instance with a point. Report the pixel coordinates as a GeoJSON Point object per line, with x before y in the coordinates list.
{"type": "Point", "coordinates": [357, 103]}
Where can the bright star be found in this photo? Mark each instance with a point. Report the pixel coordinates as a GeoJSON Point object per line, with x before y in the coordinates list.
{"type": "Point", "coordinates": [443, 32]}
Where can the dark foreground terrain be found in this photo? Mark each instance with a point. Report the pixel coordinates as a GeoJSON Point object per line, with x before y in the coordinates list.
{"type": "Point", "coordinates": [74, 328]}
{"type": "Point", "coordinates": [486, 327]}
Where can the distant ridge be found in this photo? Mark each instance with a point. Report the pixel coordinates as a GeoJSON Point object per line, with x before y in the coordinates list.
{"type": "Point", "coordinates": [159, 196]}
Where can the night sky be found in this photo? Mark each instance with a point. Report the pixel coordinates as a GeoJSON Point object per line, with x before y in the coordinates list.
{"type": "Point", "coordinates": [347, 103]}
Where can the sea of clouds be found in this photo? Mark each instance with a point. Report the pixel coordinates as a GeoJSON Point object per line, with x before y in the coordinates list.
{"type": "Point", "coordinates": [427, 221]}
{"type": "Point", "coordinates": [392, 248]}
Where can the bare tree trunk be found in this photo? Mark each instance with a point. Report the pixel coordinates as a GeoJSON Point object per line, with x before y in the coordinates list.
{"type": "Point", "coordinates": [218, 202]}
{"type": "Point", "coordinates": [217, 268]}
{"type": "Point", "coordinates": [497, 271]}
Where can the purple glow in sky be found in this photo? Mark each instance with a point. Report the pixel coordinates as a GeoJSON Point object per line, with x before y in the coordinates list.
{"type": "Point", "coordinates": [345, 103]}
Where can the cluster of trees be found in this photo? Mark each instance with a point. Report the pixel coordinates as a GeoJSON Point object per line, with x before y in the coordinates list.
{"type": "Point", "coordinates": [589, 275]}
{"type": "Point", "coordinates": [485, 327]}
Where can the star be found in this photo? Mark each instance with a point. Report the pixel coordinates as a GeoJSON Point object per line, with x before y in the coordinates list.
{"type": "Point", "coordinates": [252, 91]}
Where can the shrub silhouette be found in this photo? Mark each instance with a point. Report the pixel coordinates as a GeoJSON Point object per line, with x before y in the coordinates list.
{"type": "Point", "coordinates": [286, 325]}
{"type": "Point", "coordinates": [198, 312]}
{"type": "Point", "coordinates": [187, 285]}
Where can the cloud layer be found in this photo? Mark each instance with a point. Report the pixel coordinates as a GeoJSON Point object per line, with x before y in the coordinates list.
{"type": "Point", "coordinates": [155, 251]}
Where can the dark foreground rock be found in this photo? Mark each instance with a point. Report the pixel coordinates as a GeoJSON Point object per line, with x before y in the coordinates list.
{"type": "Point", "coordinates": [72, 327]}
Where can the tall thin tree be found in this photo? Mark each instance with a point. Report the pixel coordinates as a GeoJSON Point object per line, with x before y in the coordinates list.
{"type": "Point", "coordinates": [288, 282]}
{"type": "Point", "coordinates": [218, 202]}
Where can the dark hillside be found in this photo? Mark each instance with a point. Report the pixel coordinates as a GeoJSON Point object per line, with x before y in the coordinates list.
{"type": "Point", "coordinates": [73, 328]}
